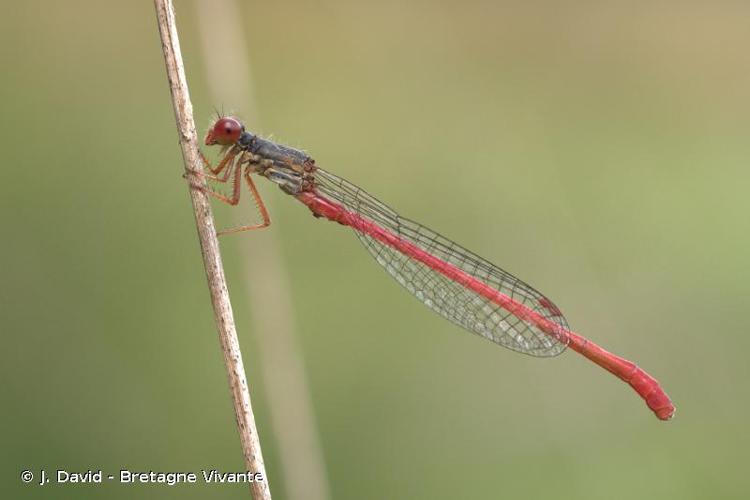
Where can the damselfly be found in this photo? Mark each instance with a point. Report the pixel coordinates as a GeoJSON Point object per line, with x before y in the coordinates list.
{"type": "Point", "coordinates": [449, 279]}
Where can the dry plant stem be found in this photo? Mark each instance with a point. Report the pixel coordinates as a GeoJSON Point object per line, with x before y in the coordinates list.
{"type": "Point", "coordinates": [210, 249]}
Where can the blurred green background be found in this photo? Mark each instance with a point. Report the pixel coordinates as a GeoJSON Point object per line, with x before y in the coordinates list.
{"type": "Point", "coordinates": [598, 150]}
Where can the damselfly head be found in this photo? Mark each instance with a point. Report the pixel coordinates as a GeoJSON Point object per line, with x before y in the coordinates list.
{"type": "Point", "coordinates": [227, 130]}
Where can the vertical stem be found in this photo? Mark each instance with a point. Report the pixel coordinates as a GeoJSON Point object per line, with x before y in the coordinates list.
{"type": "Point", "coordinates": [210, 250]}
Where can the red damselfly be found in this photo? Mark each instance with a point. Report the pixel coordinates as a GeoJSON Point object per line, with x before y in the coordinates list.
{"type": "Point", "coordinates": [449, 279]}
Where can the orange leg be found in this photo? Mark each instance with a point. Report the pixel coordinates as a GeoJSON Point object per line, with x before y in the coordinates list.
{"type": "Point", "coordinates": [235, 198]}
{"type": "Point", "coordinates": [222, 164]}
{"type": "Point", "coordinates": [223, 178]}
{"type": "Point", "coordinates": [258, 202]}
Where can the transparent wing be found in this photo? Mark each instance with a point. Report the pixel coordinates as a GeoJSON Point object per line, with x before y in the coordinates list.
{"type": "Point", "coordinates": [448, 298]}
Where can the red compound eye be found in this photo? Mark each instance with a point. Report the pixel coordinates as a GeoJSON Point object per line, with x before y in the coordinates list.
{"type": "Point", "coordinates": [225, 131]}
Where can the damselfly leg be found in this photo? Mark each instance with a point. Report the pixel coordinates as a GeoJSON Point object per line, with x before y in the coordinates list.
{"type": "Point", "coordinates": [258, 203]}
{"type": "Point", "coordinates": [233, 167]}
